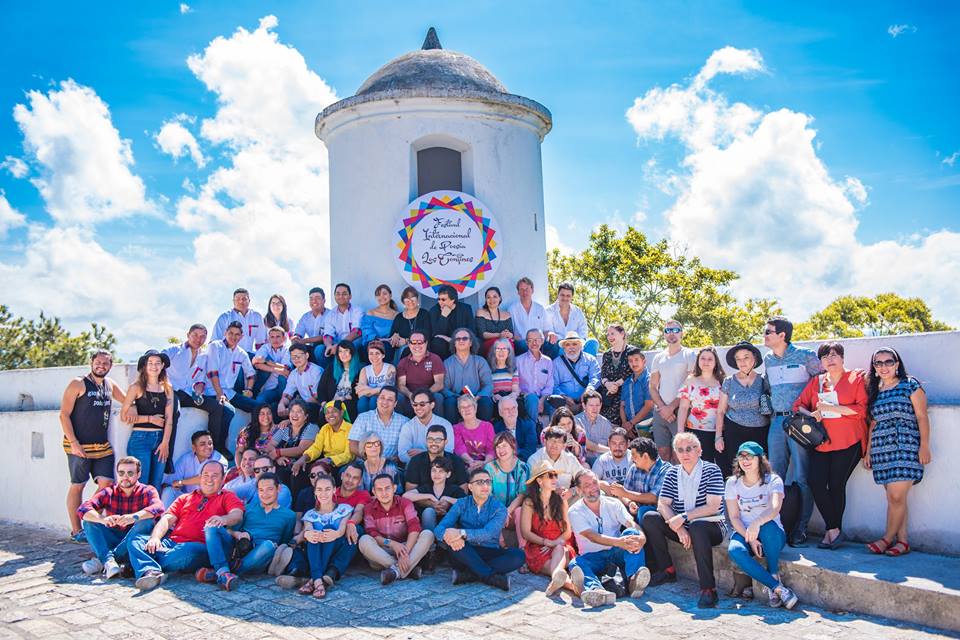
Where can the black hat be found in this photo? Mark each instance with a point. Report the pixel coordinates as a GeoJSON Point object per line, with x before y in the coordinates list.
{"type": "Point", "coordinates": [732, 352]}
{"type": "Point", "coordinates": [153, 352]}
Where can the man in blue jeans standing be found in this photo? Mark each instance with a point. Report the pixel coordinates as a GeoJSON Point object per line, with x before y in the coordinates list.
{"type": "Point", "coordinates": [596, 522]}
{"type": "Point", "coordinates": [266, 525]}
{"type": "Point", "coordinates": [788, 368]}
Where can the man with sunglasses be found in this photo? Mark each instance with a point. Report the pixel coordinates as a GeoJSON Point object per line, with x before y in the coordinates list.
{"type": "Point", "coordinates": [413, 434]}
{"type": "Point", "coordinates": [419, 370]}
{"type": "Point", "coordinates": [117, 514]}
{"type": "Point", "coordinates": [788, 368]}
{"type": "Point", "coordinates": [466, 372]}
{"type": "Point", "coordinates": [247, 491]}
{"type": "Point", "coordinates": [668, 370]}
{"type": "Point", "coordinates": [178, 541]}
{"type": "Point", "coordinates": [471, 534]}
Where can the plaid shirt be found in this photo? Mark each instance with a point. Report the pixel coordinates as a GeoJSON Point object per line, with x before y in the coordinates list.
{"type": "Point", "coordinates": [640, 482]}
{"type": "Point", "coordinates": [110, 501]}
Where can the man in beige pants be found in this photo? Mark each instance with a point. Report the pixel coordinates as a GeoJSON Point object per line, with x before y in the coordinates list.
{"type": "Point", "coordinates": [393, 541]}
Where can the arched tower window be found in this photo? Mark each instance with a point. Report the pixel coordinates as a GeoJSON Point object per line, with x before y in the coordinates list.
{"type": "Point", "coordinates": [439, 168]}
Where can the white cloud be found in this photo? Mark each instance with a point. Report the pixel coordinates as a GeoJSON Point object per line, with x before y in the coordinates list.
{"type": "Point", "coordinates": [896, 30]}
{"type": "Point", "coordinates": [86, 175]}
{"type": "Point", "coordinates": [754, 196]}
{"type": "Point", "coordinates": [951, 159]}
{"type": "Point", "coordinates": [729, 60]}
{"type": "Point", "coordinates": [9, 217]}
{"type": "Point", "coordinates": [177, 141]}
{"type": "Point", "coordinates": [554, 241]}
{"type": "Point", "coordinates": [185, 8]}
{"type": "Point", "coordinates": [17, 167]}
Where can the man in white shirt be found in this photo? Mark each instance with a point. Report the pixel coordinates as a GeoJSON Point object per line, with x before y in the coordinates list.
{"type": "Point", "coordinates": [413, 434]}
{"type": "Point", "coordinates": [303, 381]}
{"type": "Point", "coordinates": [309, 329]}
{"type": "Point", "coordinates": [527, 314]}
{"type": "Point", "coordinates": [229, 377]}
{"type": "Point", "coordinates": [273, 361]}
{"type": "Point", "coordinates": [668, 371]}
{"type": "Point", "coordinates": [596, 521]}
{"type": "Point", "coordinates": [563, 317]}
{"type": "Point", "coordinates": [253, 331]}
{"type": "Point", "coordinates": [554, 451]}
{"type": "Point", "coordinates": [343, 322]}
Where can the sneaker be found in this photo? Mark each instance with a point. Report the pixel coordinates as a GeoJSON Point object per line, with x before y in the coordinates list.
{"type": "Point", "coordinates": [576, 577]}
{"type": "Point", "coordinates": [787, 597]}
{"type": "Point", "coordinates": [499, 580]}
{"type": "Point", "coordinates": [638, 582]}
{"type": "Point", "coordinates": [205, 574]}
{"type": "Point", "coordinates": [597, 597]}
{"type": "Point", "coordinates": [227, 581]}
{"type": "Point", "coordinates": [708, 599]}
{"type": "Point", "coordinates": [111, 569]}
{"type": "Point", "coordinates": [281, 558]}
{"type": "Point", "coordinates": [662, 577]}
{"type": "Point", "coordinates": [387, 576]}
{"type": "Point", "coordinates": [291, 582]}
{"type": "Point", "coordinates": [126, 571]}
{"type": "Point", "coordinates": [150, 580]}
{"type": "Point", "coordinates": [92, 567]}
{"type": "Point", "coordinates": [798, 538]}
{"type": "Point", "coordinates": [416, 573]}
{"type": "Point", "coordinates": [557, 580]}
{"type": "Point", "coordinates": [773, 598]}
{"type": "Point", "coordinates": [80, 537]}
{"type": "Point", "coordinates": [614, 587]}
{"type": "Point", "coordinates": [461, 576]}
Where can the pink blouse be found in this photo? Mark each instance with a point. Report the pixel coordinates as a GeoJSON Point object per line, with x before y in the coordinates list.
{"type": "Point", "coordinates": [476, 443]}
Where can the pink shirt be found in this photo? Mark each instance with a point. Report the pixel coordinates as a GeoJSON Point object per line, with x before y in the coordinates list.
{"type": "Point", "coordinates": [476, 443]}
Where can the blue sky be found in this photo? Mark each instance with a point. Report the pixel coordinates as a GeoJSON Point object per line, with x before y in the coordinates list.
{"type": "Point", "coordinates": [881, 100]}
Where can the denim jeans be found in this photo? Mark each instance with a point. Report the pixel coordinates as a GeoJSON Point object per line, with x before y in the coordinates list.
{"type": "Point", "coordinates": [170, 556]}
{"type": "Point", "coordinates": [531, 402]}
{"type": "Point", "coordinates": [790, 461]}
{"type": "Point", "coordinates": [428, 519]}
{"type": "Point", "coordinates": [772, 538]}
{"type": "Point", "coordinates": [272, 396]}
{"type": "Point", "coordinates": [485, 561]}
{"type": "Point", "coordinates": [220, 544]}
{"type": "Point", "coordinates": [594, 564]}
{"type": "Point", "coordinates": [364, 404]}
{"type": "Point", "coordinates": [142, 445]}
{"type": "Point", "coordinates": [322, 555]}
{"type": "Point", "coordinates": [111, 542]}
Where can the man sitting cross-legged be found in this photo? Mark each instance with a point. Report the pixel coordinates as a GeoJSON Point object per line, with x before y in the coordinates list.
{"type": "Point", "coordinates": [394, 541]}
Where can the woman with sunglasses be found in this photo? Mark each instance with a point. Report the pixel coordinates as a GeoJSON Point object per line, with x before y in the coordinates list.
{"type": "Point", "coordinates": [699, 401]}
{"type": "Point", "coordinates": [754, 495]}
{"type": "Point", "coordinates": [898, 443]}
{"type": "Point", "coordinates": [545, 529]}
{"type": "Point", "coordinates": [837, 398]}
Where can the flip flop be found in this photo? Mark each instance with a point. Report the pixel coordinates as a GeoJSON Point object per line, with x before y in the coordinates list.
{"type": "Point", "coordinates": [898, 549]}
{"type": "Point", "coordinates": [874, 547]}
{"type": "Point", "coordinates": [320, 591]}
{"type": "Point", "coordinates": [306, 588]}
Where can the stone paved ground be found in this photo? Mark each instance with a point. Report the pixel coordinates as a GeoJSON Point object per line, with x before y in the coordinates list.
{"type": "Point", "coordinates": [43, 594]}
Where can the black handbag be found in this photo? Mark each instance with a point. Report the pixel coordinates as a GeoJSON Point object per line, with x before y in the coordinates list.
{"type": "Point", "coordinates": [766, 402]}
{"type": "Point", "coordinates": [806, 430]}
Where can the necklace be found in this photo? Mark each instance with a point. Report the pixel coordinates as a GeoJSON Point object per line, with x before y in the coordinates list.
{"type": "Point", "coordinates": [616, 357]}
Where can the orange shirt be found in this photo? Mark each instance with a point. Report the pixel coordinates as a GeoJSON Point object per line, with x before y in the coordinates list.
{"type": "Point", "coordinates": [844, 431]}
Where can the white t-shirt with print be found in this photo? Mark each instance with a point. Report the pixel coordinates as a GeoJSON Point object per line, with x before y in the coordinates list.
{"type": "Point", "coordinates": [755, 500]}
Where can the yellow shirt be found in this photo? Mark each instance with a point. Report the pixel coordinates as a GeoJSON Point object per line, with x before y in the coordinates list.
{"type": "Point", "coordinates": [331, 444]}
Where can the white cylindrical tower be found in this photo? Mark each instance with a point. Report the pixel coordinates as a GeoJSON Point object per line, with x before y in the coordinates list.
{"type": "Point", "coordinates": [433, 120]}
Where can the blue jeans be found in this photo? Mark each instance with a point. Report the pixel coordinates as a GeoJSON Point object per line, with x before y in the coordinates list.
{"type": "Point", "coordinates": [170, 556]}
{"type": "Point", "coordinates": [141, 446]}
{"type": "Point", "coordinates": [428, 519]}
{"type": "Point", "coordinates": [272, 396]}
{"type": "Point", "coordinates": [220, 544]}
{"type": "Point", "coordinates": [364, 404]}
{"type": "Point", "coordinates": [485, 561]}
{"type": "Point", "coordinates": [551, 350]}
{"type": "Point", "coordinates": [772, 538]}
{"type": "Point", "coordinates": [595, 563]}
{"type": "Point", "coordinates": [110, 542]}
{"type": "Point", "coordinates": [242, 402]}
{"type": "Point", "coordinates": [532, 403]}
{"type": "Point", "coordinates": [323, 555]}
{"type": "Point", "coordinates": [790, 461]}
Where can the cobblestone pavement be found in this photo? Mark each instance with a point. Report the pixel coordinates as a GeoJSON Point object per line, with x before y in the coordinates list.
{"type": "Point", "coordinates": [43, 594]}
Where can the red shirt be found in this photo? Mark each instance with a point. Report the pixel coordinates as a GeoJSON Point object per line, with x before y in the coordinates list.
{"type": "Point", "coordinates": [845, 431]}
{"type": "Point", "coordinates": [359, 496]}
{"type": "Point", "coordinates": [193, 509]}
{"type": "Point", "coordinates": [419, 375]}
{"type": "Point", "coordinates": [111, 501]}
{"type": "Point", "coordinates": [396, 523]}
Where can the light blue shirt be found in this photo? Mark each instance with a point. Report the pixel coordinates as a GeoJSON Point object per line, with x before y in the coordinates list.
{"type": "Point", "coordinates": [789, 375]}
{"type": "Point", "coordinates": [587, 368]}
{"type": "Point", "coordinates": [482, 526]}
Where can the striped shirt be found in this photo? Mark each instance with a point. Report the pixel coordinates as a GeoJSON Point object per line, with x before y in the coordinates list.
{"type": "Point", "coordinates": [711, 484]}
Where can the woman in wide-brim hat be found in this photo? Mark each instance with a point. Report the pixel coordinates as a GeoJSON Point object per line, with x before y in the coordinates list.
{"type": "Point", "coordinates": [740, 406]}
{"type": "Point", "coordinates": [148, 405]}
{"type": "Point", "coordinates": [545, 528]}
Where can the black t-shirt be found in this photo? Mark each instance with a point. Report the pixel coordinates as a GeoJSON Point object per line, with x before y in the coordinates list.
{"type": "Point", "coordinates": [450, 490]}
{"type": "Point", "coordinates": [418, 470]}
{"type": "Point", "coordinates": [305, 500]}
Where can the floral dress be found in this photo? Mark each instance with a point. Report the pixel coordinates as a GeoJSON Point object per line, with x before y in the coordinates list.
{"type": "Point", "coordinates": [704, 401]}
{"type": "Point", "coordinates": [895, 441]}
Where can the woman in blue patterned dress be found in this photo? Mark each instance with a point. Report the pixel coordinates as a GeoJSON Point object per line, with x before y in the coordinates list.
{"type": "Point", "coordinates": [899, 442]}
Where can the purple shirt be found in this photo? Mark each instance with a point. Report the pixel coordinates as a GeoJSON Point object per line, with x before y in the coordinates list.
{"type": "Point", "coordinates": [536, 376]}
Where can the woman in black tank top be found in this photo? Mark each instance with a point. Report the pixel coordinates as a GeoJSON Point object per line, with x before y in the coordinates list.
{"type": "Point", "coordinates": [149, 407]}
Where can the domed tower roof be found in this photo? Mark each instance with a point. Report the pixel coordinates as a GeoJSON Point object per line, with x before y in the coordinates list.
{"type": "Point", "coordinates": [434, 72]}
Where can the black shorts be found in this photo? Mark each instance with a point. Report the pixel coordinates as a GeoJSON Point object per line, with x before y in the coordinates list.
{"type": "Point", "coordinates": [82, 469]}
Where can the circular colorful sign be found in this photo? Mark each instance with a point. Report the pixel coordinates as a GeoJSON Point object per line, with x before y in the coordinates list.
{"type": "Point", "coordinates": [447, 237]}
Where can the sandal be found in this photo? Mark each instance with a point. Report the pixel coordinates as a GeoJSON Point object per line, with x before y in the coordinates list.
{"type": "Point", "coordinates": [874, 547]}
{"type": "Point", "coordinates": [320, 591]}
{"type": "Point", "coordinates": [898, 549]}
{"type": "Point", "coordinates": [307, 588]}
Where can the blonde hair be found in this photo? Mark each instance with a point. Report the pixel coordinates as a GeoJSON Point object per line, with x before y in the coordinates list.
{"type": "Point", "coordinates": [685, 436]}
{"type": "Point", "coordinates": [370, 438]}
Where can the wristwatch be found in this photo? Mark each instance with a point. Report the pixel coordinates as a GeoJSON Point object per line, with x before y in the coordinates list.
{"type": "Point", "coordinates": [136, 517]}
{"type": "Point", "coordinates": [685, 517]}
{"type": "Point", "coordinates": [463, 533]}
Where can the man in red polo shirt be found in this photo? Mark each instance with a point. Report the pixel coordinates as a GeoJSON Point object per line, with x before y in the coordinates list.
{"type": "Point", "coordinates": [177, 542]}
{"type": "Point", "coordinates": [421, 370]}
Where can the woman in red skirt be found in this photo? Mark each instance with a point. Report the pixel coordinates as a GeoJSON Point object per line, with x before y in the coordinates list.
{"type": "Point", "coordinates": [547, 538]}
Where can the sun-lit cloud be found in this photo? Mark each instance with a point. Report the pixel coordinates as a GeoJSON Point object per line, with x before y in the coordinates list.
{"type": "Point", "coordinates": [17, 167]}
{"type": "Point", "coordinates": [176, 140]}
{"type": "Point", "coordinates": [951, 159]}
{"type": "Point", "coordinates": [897, 30]}
{"type": "Point", "coordinates": [9, 217]}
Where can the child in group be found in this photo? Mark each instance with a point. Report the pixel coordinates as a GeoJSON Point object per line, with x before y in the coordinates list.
{"type": "Point", "coordinates": [433, 500]}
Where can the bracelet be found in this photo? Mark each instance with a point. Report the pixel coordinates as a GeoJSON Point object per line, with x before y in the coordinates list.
{"type": "Point", "coordinates": [351, 522]}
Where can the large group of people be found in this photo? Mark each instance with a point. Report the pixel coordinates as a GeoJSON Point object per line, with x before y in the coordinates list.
{"type": "Point", "coordinates": [493, 441]}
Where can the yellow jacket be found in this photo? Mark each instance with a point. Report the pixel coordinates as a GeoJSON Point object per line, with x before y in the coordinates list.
{"type": "Point", "coordinates": [331, 444]}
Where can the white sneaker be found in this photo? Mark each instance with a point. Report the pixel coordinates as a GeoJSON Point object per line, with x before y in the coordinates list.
{"type": "Point", "coordinates": [557, 581]}
{"type": "Point", "coordinates": [788, 597]}
{"type": "Point", "coordinates": [92, 567]}
{"type": "Point", "coordinates": [598, 597]}
{"type": "Point", "coordinates": [111, 569]}
{"type": "Point", "coordinates": [638, 582]}
{"type": "Point", "coordinates": [150, 580]}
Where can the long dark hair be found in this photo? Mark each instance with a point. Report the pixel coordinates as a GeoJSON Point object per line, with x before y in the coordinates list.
{"type": "Point", "coordinates": [873, 380]}
{"type": "Point", "coordinates": [381, 287]}
{"type": "Point", "coordinates": [554, 505]}
{"type": "Point", "coordinates": [271, 320]}
{"type": "Point", "coordinates": [253, 429]}
{"type": "Point", "coordinates": [718, 371]}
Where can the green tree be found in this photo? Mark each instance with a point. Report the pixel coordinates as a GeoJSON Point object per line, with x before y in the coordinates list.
{"type": "Point", "coordinates": [628, 279]}
{"type": "Point", "coordinates": [858, 316]}
{"type": "Point", "coordinates": [27, 344]}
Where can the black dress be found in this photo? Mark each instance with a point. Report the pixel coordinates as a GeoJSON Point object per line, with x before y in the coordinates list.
{"type": "Point", "coordinates": [613, 369]}
{"type": "Point", "coordinates": [460, 318]}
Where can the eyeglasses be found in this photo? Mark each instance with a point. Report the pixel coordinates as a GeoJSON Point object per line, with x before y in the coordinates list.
{"type": "Point", "coordinates": [672, 330]}
{"type": "Point", "coordinates": [261, 469]}
{"type": "Point", "coordinates": [688, 449]}
{"type": "Point", "coordinates": [462, 339]}
{"type": "Point", "coordinates": [770, 332]}
{"type": "Point", "coordinates": [436, 440]}
{"type": "Point", "coordinates": [553, 475]}
{"type": "Point", "coordinates": [482, 483]}
{"type": "Point", "coordinates": [316, 474]}
{"type": "Point", "coordinates": [417, 343]}
{"type": "Point", "coordinates": [419, 404]}
{"type": "Point", "coordinates": [746, 456]}
{"type": "Point", "coordinates": [127, 474]}
{"type": "Point", "coordinates": [884, 363]}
